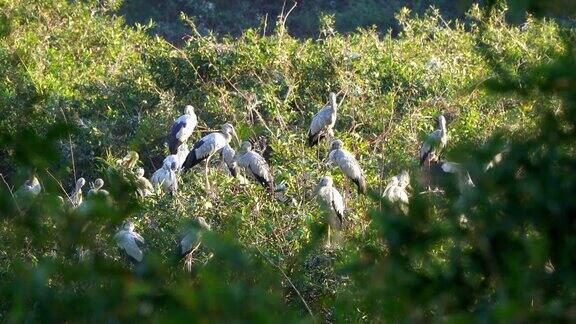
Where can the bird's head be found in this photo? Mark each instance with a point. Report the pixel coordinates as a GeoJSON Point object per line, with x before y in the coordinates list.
{"type": "Point", "coordinates": [332, 99]}
{"type": "Point", "coordinates": [404, 179]}
{"type": "Point", "coordinates": [80, 183]}
{"type": "Point", "coordinates": [336, 145]}
{"type": "Point", "coordinates": [98, 184]}
{"type": "Point", "coordinates": [246, 146]}
{"type": "Point", "coordinates": [203, 224]}
{"type": "Point", "coordinates": [170, 162]}
{"type": "Point", "coordinates": [228, 129]}
{"type": "Point", "coordinates": [128, 225]}
{"type": "Point", "coordinates": [189, 110]}
{"type": "Point", "coordinates": [325, 181]}
{"type": "Point", "coordinates": [140, 172]}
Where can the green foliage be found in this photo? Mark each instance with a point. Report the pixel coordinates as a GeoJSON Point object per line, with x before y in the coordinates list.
{"type": "Point", "coordinates": [81, 89]}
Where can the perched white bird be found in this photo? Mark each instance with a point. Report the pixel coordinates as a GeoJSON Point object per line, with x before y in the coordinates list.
{"type": "Point", "coordinates": [208, 145]}
{"type": "Point", "coordinates": [396, 192]}
{"type": "Point", "coordinates": [182, 154]}
{"type": "Point", "coordinates": [165, 177]}
{"type": "Point", "coordinates": [227, 154]}
{"type": "Point", "coordinates": [255, 166]}
{"type": "Point", "coordinates": [323, 122]}
{"type": "Point", "coordinates": [181, 129]}
{"type": "Point", "coordinates": [435, 141]}
{"type": "Point", "coordinates": [143, 185]}
{"type": "Point", "coordinates": [26, 193]}
{"type": "Point", "coordinates": [97, 188]}
{"type": "Point", "coordinates": [347, 163]}
{"type": "Point", "coordinates": [332, 200]}
{"type": "Point", "coordinates": [76, 195]}
{"type": "Point", "coordinates": [191, 241]}
{"type": "Point", "coordinates": [130, 243]}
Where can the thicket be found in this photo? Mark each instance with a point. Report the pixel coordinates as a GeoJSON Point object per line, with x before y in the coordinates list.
{"type": "Point", "coordinates": [80, 89]}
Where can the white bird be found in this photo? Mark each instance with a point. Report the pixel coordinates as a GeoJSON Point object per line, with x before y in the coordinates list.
{"type": "Point", "coordinates": [130, 243]}
{"type": "Point", "coordinates": [182, 154]}
{"type": "Point", "coordinates": [227, 154]}
{"type": "Point", "coordinates": [396, 192]}
{"type": "Point", "coordinates": [435, 141]}
{"type": "Point", "coordinates": [464, 179]}
{"type": "Point", "coordinates": [323, 122]}
{"type": "Point", "coordinates": [76, 196]}
{"type": "Point", "coordinates": [347, 163]}
{"type": "Point", "coordinates": [208, 145]}
{"type": "Point", "coordinates": [143, 185]}
{"type": "Point", "coordinates": [165, 177]}
{"type": "Point", "coordinates": [26, 193]}
{"type": "Point", "coordinates": [97, 188]}
{"type": "Point", "coordinates": [255, 166]}
{"type": "Point", "coordinates": [181, 129]}
{"type": "Point", "coordinates": [191, 241]}
{"type": "Point", "coordinates": [332, 200]}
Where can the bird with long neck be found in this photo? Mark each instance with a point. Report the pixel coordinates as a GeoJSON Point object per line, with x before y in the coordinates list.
{"type": "Point", "coordinates": [332, 201]}
{"type": "Point", "coordinates": [255, 166]}
{"type": "Point", "coordinates": [322, 124]}
{"type": "Point", "coordinates": [435, 141]}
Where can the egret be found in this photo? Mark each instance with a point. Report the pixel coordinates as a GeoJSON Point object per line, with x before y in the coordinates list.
{"type": "Point", "coordinates": [332, 200]}
{"type": "Point", "coordinates": [227, 154]}
{"type": "Point", "coordinates": [97, 188]}
{"type": "Point", "coordinates": [396, 191]}
{"type": "Point", "coordinates": [207, 146]}
{"type": "Point", "coordinates": [347, 163]}
{"type": "Point", "coordinates": [255, 166]}
{"type": "Point", "coordinates": [435, 141]}
{"type": "Point", "coordinates": [76, 196]}
{"type": "Point", "coordinates": [130, 243]}
{"type": "Point", "coordinates": [143, 185]}
{"type": "Point", "coordinates": [181, 129]}
{"type": "Point", "coordinates": [191, 241]}
{"type": "Point", "coordinates": [165, 177]}
{"type": "Point", "coordinates": [323, 122]}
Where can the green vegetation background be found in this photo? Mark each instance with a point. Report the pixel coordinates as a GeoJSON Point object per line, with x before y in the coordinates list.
{"type": "Point", "coordinates": [77, 82]}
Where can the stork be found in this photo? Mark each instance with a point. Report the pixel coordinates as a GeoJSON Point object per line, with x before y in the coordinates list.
{"type": "Point", "coordinates": [31, 186]}
{"type": "Point", "coordinates": [396, 192]}
{"type": "Point", "coordinates": [227, 155]}
{"type": "Point", "coordinates": [323, 122]}
{"type": "Point", "coordinates": [76, 195]}
{"type": "Point", "coordinates": [165, 177]}
{"type": "Point", "coordinates": [332, 201]}
{"type": "Point", "coordinates": [181, 129]}
{"type": "Point", "coordinates": [435, 141]}
{"type": "Point", "coordinates": [347, 163]}
{"type": "Point", "coordinates": [130, 243]}
{"type": "Point", "coordinates": [143, 186]}
{"type": "Point", "coordinates": [190, 242]}
{"type": "Point", "coordinates": [255, 166]}
{"type": "Point", "coordinates": [207, 146]}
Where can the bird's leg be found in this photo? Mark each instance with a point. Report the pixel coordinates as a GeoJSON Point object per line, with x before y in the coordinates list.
{"type": "Point", "coordinates": [207, 183]}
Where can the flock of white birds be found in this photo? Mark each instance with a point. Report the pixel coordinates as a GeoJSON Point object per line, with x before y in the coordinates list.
{"type": "Point", "coordinates": [247, 163]}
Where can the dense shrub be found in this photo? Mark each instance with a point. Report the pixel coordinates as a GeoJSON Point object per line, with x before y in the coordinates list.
{"type": "Point", "coordinates": [80, 89]}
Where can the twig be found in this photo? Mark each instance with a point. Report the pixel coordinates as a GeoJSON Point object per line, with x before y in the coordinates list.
{"type": "Point", "coordinates": [59, 183]}
{"type": "Point", "coordinates": [11, 193]}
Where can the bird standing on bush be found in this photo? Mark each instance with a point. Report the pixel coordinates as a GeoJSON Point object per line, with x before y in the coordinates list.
{"type": "Point", "coordinates": [435, 141]}
{"type": "Point", "coordinates": [347, 163]}
{"type": "Point", "coordinates": [76, 196]}
{"type": "Point", "coordinates": [165, 178]}
{"type": "Point", "coordinates": [255, 166]}
{"type": "Point", "coordinates": [143, 186]}
{"type": "Point", "coordinates": [333, 202]}
{"type": "Point", "coordinates": [323, 122]}
{"type": "Point", "coordinates": [190, 242]}
{"type": "Point", "coordinates": [182, 129]}
{"type": "Point", "coordinates": [130, 243]}
{"type": "Point", "coordinates": [396, 192]}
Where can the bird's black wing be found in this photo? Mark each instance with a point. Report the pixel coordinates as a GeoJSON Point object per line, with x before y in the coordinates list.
{"type": "Point", "coordinates": [339, 215]}
{"type": "Point", "coordinates": [173, 142]}
{"type": "Point", "coordinates": [191, 159]}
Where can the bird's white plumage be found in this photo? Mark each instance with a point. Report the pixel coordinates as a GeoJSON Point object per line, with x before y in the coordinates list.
{"type": "Point", "coordinates": [127, 240]}
{"type": "Point", "coordinates": [254, 165]}
{"type": "Point", "coordinates": [325, 119]}
{"type": "Point", "coordinates": [227, 158]}
{"type": "Point", "coordinates": [211, 143]}
{"type": "Point", "coordinates": [181, 155]}
{"type": "Point", "coordinates": [145, 187]}
{"type": "Point", "coordinates": [346, 161]}
{"type": "Point", "coordinates": [165, 177]}
{"type": "Point", "coordinates": [76, 196]}
{"type": "Point", "coordinates": [396, 192]}
{"type": "Point", "coordinates": [332, 199]}
{"type": "Point", "coordinates": [435, 141]}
